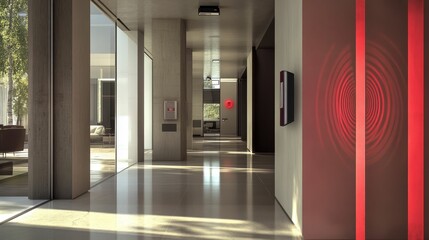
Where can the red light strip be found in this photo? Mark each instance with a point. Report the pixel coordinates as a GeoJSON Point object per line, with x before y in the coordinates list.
{"type": "Point", "coordinates": [415, 120]}
{"type": "Point", "coordinates": [360, 119]}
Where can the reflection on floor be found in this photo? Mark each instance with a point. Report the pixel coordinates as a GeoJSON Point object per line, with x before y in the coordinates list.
{"type": "Point", "coordinates": [11, 206]}
{"type": "Point", "coordinates": [220, 192]}
{"type": "Point", "coordinates": [102, 166]}
{"type": "Point", "coordinates": [14, 188]}
{"type": "Point", "coordinates": [15, 184]}
{"type": "Point", "coordinates": [102, 163]}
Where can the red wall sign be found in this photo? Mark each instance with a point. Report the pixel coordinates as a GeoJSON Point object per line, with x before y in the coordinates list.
{"type": "Point", "coordinates": [229, 103]}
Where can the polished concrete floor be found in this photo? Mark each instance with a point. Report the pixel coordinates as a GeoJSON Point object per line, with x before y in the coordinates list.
{"type": "Point", "coordinates": [220, 192]}
{"type": "Point", "coordinates": [102, 163]}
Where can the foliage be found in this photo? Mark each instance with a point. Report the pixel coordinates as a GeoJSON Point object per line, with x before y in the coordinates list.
{"type": "Point", "coordinates": [13, 36]}
{"type": "Point", "coordinates": [211, 111]}
{"type": "Point", "coordinates": [20, 99]}
{"type": "Point", "coordinates": [14, 52]}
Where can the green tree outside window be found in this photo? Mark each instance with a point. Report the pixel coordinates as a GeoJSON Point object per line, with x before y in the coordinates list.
{"type": "Point", "coordinates": [14, 56]}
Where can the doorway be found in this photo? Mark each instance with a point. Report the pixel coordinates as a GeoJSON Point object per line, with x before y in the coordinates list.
{"type": "Point", "coordinates": [228, 108]}
{"type": "Point", "coordinates": [220, 107]}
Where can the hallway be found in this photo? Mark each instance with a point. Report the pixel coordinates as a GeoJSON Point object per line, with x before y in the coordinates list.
{"type": "Point", "coordinates": [221, 192]}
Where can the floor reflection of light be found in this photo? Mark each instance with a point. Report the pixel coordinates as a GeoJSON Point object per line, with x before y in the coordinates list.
{"type": "Point", "coordinates": [97, 167]}
{"type": "Point", "coordinates": [207, 168]}
{"type": "Point", "coordinates": [121, 165]}
{"type": "Point", "coordinates": [221, 152]}
{"type": "Point", "coordinates": [148, 191]}
{"type": "Point", "coordinates": [211, 173]}
{"type": "Point", "coordinates": [244, 153]}
{"type": "Point", "coordinates": [180, 226]}
{"type": "Point", "coordinates": [204, 152]}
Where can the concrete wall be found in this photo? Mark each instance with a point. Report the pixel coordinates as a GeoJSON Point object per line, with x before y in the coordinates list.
{"type": "Point", "coordinates": [228, 124]}
{"type": "Point", "coordinates": [197, 104]}
{"type": "Point", "coordinates": [288, 140]}
{"type": "Point", "coordinates": [189, 93]}
{"type": "Point", "coordinates": [71, 98]}
{"type": "Point", "coordinates": [250, 101]}
{"type": "Point", "coordinates": [169, 83]}
{"type": "Point", "coordinates": [39, 99]}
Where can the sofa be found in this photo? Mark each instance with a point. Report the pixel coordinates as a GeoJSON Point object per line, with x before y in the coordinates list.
{"type": "Point", "coordinates": [12, 139]}
{"type": "Point", "coordinates": [96, 133]}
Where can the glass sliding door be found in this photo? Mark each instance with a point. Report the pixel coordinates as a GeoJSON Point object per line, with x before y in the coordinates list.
{"type": "Point", "coordinates": [103, 86]}
{"type": "Point", "coordinates": [127, 99]}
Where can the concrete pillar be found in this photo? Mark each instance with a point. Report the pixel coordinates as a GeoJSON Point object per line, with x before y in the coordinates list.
{"type": "Point", "coordinates": [140, 77]}
{"type": "Point", "coordinates": [71, 156]}
{"type": "Point", "coordinates": [169, 83]}
{"type": "Point", "coordinates": [39, 99]}
{"type": "Point", "coordinates": [189, 97]}
{"type": "Point", "coordinates": [197, 105]}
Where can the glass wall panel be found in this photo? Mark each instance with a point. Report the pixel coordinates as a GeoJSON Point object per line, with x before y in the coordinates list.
{"type": "Point", "coordinates": [127, 111]}
{"type": "Point", "coordinates": [13, 98]}
{"type": "Point", "coordinates": [14, 109]}
{"type": "Point", "coordinates": [102, 128]}
{"type": "Point", "coordinates": [147, 103]}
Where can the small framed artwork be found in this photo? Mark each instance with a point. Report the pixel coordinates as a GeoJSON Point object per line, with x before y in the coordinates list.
{"type": "Point", "coordinates": [286, 98]}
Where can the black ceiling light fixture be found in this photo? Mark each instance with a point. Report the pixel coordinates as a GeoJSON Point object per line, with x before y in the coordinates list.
{"type": "Point", "coordinates": [209, 11]}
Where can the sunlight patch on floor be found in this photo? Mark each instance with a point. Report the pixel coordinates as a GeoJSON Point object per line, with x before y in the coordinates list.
{"type": "Point", "coordinates": [177, 226]}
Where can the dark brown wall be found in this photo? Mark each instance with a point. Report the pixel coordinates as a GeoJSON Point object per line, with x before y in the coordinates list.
{"type": "Point", "coordinates": [328, 119]}
{"type": "Point", "coordinates": [386, 119]}
{"type": "Point", "coordinates": [263, 101]}
{"type": "Point", "coordinates": [263, 93]}
{"type": "Point", "coordinates": [242, 107]}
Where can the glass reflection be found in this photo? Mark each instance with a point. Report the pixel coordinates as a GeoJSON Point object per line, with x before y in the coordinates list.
{"type": "Point", "coordinates": [103, 95]}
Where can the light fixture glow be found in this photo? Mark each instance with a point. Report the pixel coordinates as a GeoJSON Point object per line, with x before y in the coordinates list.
{"type": "Point", "coordinates": [209, 11]}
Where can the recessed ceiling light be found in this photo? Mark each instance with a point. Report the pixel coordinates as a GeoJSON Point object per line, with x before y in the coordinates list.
{"type": "Point", "coordinates": [209, 11]}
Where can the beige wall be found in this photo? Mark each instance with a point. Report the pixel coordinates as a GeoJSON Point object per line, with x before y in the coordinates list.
{"type": "Point", "coordinates": [71, 98]}
{"type": "Point", "coordinates": [169, 83]}
{"type": "Point", "coordinates": [189, 93]}
{"type": "Point", "coordinates": [39, 99]}
{"type": "Point", "coordinates": [288, 140]}
{"type": "Point", "coordinates": [228, 90]}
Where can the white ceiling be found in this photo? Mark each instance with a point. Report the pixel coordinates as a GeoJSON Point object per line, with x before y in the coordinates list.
{"type": "Point", "coordinates": [228, 37]}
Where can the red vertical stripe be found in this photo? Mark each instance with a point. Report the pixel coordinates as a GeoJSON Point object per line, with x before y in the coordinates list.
{"type": "Point", "coordinates": [415, 120]}
{"type": "Point", "coordinates": [360, 119]}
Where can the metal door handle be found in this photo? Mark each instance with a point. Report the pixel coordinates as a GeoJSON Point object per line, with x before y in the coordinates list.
{"type": "Point", "coordinates": [224, 119]}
